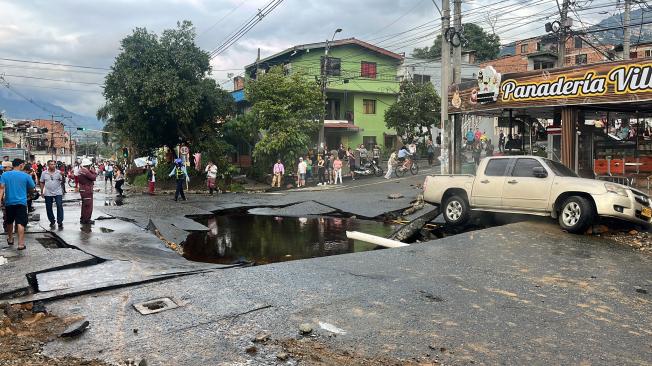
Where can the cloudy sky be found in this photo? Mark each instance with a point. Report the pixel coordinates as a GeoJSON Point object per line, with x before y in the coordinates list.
{"type": "Point", "coordinates": [87, 33]}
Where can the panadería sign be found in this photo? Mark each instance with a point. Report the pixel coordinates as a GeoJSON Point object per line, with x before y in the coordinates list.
{"type": "Point", "coordinates": [624, 79]}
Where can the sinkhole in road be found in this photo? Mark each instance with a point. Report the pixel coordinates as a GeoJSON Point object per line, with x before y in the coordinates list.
{"type": "Point", "coordinates": [261, 239]}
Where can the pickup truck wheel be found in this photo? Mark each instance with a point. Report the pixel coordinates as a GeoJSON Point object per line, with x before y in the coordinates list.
{"type": "Point", "coordinates": [576, 214]}
{"type": "Point", "coordinates": [455, 210]}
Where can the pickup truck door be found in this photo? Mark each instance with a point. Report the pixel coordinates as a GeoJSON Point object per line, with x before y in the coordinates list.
{"type": "Point", "coordinates": [523, 190]}
{"type": "Point", "coordinates": [488, 185]}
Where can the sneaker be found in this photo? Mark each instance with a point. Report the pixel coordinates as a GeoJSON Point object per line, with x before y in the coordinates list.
{"type": "Point", "coordinates": [52, 225]}
{"type": "Point", "coordinates": [60, 226]}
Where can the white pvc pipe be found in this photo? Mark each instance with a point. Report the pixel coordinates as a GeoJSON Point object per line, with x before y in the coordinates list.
{"type": "Point", "coordinates": [383, 242]}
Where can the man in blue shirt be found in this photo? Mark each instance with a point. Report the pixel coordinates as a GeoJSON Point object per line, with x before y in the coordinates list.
{"type": "Point", "coordinates": [470, 137]}
{"type": "Point", "coordinates": [14, 185]}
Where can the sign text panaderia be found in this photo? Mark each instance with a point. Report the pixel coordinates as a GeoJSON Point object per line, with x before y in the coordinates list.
{"type": "Point", "coordinates": [624, 79]}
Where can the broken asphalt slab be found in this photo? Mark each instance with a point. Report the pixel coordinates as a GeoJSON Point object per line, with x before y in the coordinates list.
{"type": "Point", "coordinates": [524, 293]}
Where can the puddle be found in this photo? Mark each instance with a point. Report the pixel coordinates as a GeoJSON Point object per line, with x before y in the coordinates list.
{"type": "Point", "coordinates": [268, 239]}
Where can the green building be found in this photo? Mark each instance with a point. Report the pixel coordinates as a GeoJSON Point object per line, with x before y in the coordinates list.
{"type": "Point", "coordinates": [362, 84]}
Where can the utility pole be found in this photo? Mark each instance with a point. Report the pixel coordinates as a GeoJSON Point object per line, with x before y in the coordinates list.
{"type": "Point", "coordinates": [627, 33]}
{"type": "Point", "coordinates": [445, 82]}
{"type": "Point", "coordinates": [324, 85]}
{"type": "Point", "coordinates": [561, 51]}
{"type": "Point", "coordinates": [457, 78]}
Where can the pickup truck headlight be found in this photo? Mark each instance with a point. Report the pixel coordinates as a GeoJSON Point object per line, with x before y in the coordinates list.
{"type": "Point", "coordinates": [614, 188]}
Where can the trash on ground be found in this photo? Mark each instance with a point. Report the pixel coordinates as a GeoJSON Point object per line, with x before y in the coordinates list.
{"type": "Point", "coordinates": [75, 329]}
{"type": "Point", "coordinates": [331, 328]}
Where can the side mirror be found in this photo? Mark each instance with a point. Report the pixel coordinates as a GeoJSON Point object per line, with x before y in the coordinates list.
{"type": "Point", "coordinates": [539, 172]}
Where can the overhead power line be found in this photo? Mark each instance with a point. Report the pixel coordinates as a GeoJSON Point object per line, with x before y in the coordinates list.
{"type": "Point", "coordinates": [56, 80]}
{"type": "Point", "coordinates": [54, 63]}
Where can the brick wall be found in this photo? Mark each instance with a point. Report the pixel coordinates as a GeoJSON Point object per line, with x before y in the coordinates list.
{"type": "Point", "coordinates": [508, 64]}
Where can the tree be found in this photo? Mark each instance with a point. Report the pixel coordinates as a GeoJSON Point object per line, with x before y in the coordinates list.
{"type": "Point", "coordinates": [415, 112]}
{"type": "Point", "coordinates": [486, 46]}
{"type": "Point", "coordinates": [285, 109]}
{"type": "Point", "coordinates": [159, 91]}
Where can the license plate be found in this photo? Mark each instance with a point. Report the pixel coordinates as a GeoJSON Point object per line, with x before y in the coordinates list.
{"type": "Point", "coordinates": [646, 212]}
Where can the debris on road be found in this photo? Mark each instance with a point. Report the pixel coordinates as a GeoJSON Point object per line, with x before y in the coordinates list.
{"type": "Point", "coordinates": [75, 329]}
{"type": "Point", "coordinates": [305, 328]}
{"type": "Point", "coordinates": [409, 230]}
{"type": "Point", "coordinates": [373, 239]}
{"type": "Point", "coordinates": [395, 196]}
{"type": "Point", "coordinates": [261, 338]}
{"type": "Point", "coordinates": [640, 290]}
{"type": "Point", "coordinates": [3, 260]}
{"type": "Point", "coordinates": [419, 204]}
{"type": "Point", "coordinates": [282, 356]}
{"type": "Point", "coordinates": [638, 240]}
{"type": "Point", "coordinates": [331, 328]}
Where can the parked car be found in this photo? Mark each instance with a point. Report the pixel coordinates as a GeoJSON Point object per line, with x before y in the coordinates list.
{"type": "Point", "coordinates": [535, 186]}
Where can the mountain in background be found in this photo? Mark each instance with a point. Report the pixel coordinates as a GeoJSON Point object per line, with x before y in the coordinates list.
{"type": "Point", "coordinates": [640, 33]}
{"type": "Point", "coordinates": [21, 109]}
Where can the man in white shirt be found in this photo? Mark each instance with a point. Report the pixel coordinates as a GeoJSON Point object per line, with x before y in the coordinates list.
{"type": "Point", "coordinates": [302, 168]}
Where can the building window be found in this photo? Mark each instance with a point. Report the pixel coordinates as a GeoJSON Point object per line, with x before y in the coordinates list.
{"type": "Point", "coordinates": [580, 59]}
{"type": "Point", "coordinates": [524, 48]}
{"type": "Point", "coordinates": [333, 66]}
{"type": "Point", "coordinates": [420, 79]}
{"type": "Point", "coordinates": [541, 65]}
{"type": "Point", "coordinates": [568, 60]}
{"type": "Point", "coordinates": [368, 106]}
{"type": "Point", "coordinates": [368, 70]}
{"type": "Point", "coordinates": [538, 46]}
{"type": "Point", "coordinates": [369, 142]}
{"type": "Point", "coordinates": [578, 42]}
{"type": "Point", "coordinates": [648, 53]}
{"type": "Point", "coordinates": [633, 54]}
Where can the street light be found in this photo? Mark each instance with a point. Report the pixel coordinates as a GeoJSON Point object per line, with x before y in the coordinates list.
{"type": "Point", "coordinates": [324, 83]}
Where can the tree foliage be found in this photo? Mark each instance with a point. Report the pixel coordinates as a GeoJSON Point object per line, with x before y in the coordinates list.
{"type": "Point", "coordinates": [158, 91]}
{"type": "Point", "coordinates": [416, 111]}
{"type": "Point", "coordinates": [285, 109]}
{"type": "Point", "coordinates": [486, 45]}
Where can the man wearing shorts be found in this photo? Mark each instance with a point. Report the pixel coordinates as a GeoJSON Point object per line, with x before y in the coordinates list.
{"type": "Point", "coordinates": [14, 186]}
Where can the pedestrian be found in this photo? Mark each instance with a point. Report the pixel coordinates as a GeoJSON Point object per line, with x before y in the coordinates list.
{"type": "Point", "coordinates": [501, 141]}
{"type": "Point", "coordinates": [478, 135]}
{"type": "Point", "coordinates": [278, 171]}
{"type": "Point", "coordinates": [302, 168]}
{"type": "Point", "coordinates": [337, 170]}
{"type": "Point", "coordinates": [151, 178]}
{"type": "Point", "coordinates": [321, 170]}
{"type": "Point", "coordinates": [181, 175]}
{"type": "Point", "coordinates": [39, 168]}
{"type": "Point", "coordinates": [391, 165]}
{"type": "Point", "coordinates": [119, 179]}
{"type": "Point", "coordinates": [211, 176]}
{"type": "Point", "coordinates": [477, 151]}
{"type": "Point", "coordinates": [308, 162]}
{"type": "Point", "coordinates": [375, 154]}
{"type": "Point", "coordinates": [75, 173]}
{"type": "Point", "coordinates": [329, 168]}
{"type": "Point", "coordinates": [51, 191]}
{"type": "Point", "coordinates": [470, 136]}
{"type": "Point", "coordinates": [489, 149]}
{"type": "Point", "coordinates": [351, 157]}
{"type": "Point", "coordinates": [14, 187]}
{"type": "Point", "coordinates": [87, 177]}
{"type": "Point", "coordinates": [108, 176]}
{"type": "Point", "coordinates": [362, 150]}
{"type": "Point", "coordinates": [431, 151]}
{"type": "Point", "coordinates": [30, 171]}
{"type": "Point", "coordinates": [341, 152]}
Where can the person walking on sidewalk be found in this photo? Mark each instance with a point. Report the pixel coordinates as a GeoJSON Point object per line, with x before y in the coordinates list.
{"type": "Point", "coordinates": [181, 175]}
{"type": "Point", "coordinates": [14, 185]}
{"type": "Point", "coordinates": [337, 170]}
{"type": "Point", "coordinates": [87, 177]}
{"type": "Point", "coordinates": [277, 174]}
{"type": "Point", "coordinates": [351, 157]}
{"type": "Point", "coordinates": [301, 173]}
{"type": "Point", "coordinates": [321, 169]}
{"type": "Point", "coordinates": [211, 176]}
{"type": "Point", "coordinates": [108, 176]}
{"type": "Point", "coordinates": [51, 191]}
{"type": "Point", "coordinates": [151, 178]}
{"type": "Point", "coordinates": [431, 151]}
{"type": "Point", "coordinates": [119, 180]}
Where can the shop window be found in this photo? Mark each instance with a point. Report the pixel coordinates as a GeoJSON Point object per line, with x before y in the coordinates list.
{"type": "Point", "coordinates": [648, 53]}
{"type": "Point", "coordinates": [633, 54]}
{"type": "Point", "coordinates": [420, 79]}
{"type": "Point", "coordinates": [578, 42]}
{"type": "Point", "coordinates": [369, 142]}
{"type": "Point", "coordinates": [368, 70]}
{"type": "Point", "coordinates": [389, 141]}
{"type": "Point", "coordinates": [368, 106]}
{"type": "Point", "coordinates": [580, 59]}
{"type": "Point", "coordinates": [333, 66]}
{"type": "Point", "coordinates": [524, 48]}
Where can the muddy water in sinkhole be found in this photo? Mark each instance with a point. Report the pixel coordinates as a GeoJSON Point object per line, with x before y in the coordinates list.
{"type": "Point", "coordinates": [267, 239]}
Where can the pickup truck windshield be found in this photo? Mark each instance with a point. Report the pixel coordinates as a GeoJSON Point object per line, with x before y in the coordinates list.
{"type": "Point", "coordinates": [560, 169]}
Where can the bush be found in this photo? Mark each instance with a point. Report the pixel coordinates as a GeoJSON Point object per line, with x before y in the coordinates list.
{"type": "Point", "coordinates": [139, 180]}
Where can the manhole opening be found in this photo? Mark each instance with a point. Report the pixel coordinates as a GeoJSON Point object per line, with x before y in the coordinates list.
{"type": "Point", "coordinates": [246, 238]}
{"type": "Point", "coordinates": [155, 306]}
{"type": "Point", "coordinates": [50, 243]}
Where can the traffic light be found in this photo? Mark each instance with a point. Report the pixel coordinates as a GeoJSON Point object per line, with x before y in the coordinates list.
{"type": "Point", "coordinates": [125, 152]}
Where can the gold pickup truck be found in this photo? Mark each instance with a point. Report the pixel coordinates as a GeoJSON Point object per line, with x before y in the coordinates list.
{"type": "Point", "coordinates": [535, 186]}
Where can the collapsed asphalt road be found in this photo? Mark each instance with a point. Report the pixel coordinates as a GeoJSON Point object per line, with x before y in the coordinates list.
{"type": "Point", "coordinates": [524, 293]}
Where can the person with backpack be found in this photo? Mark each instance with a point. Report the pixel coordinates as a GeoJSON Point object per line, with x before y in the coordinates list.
{"type": "Point", "coordinates": [181, 175]}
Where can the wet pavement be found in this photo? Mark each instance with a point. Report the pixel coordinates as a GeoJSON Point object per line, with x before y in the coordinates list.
{"type": "Point", "coordinates": [524, 293]}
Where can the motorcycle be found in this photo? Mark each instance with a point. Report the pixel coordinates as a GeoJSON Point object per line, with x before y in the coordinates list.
{"type": "Point", "coordinates": [369, 168]}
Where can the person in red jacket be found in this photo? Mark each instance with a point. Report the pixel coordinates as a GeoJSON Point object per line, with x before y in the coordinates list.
{"type": "Point", "coordinates": [87, 177]}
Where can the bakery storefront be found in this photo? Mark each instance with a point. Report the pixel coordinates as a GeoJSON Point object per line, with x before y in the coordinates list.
{"type": "Point", "coordinates": [598, 117]}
